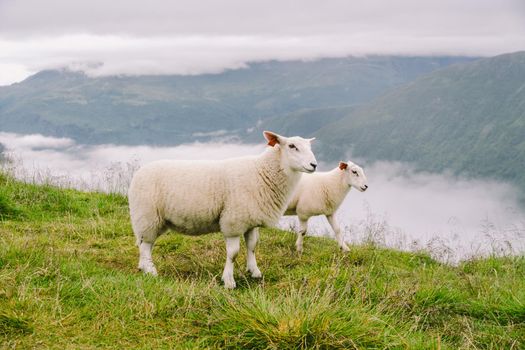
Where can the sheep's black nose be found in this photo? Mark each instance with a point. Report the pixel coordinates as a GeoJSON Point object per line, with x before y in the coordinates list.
{"type": "Point", "coordinates": [366, 186]}
{"type": "Point", "coordinates": [313, 165]}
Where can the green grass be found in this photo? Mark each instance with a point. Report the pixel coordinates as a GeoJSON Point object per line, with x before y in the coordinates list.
{"type": "Point", "coordinates": [68, 280]}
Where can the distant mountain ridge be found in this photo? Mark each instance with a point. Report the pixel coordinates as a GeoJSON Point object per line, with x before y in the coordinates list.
{"type": "Point", "coordinates": [468, 118]}
{"type": "Point", "coordinates": [175, 109]}
{"type": "Point", "coordinates": [460, 114]}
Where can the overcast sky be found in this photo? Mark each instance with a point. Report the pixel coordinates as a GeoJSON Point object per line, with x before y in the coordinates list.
{"type": "Point", "coordinates": [193, 37]}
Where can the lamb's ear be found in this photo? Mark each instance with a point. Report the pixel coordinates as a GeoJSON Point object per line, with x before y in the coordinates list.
{"type": "Point", "coordinates": [312, 139]}
{"type": "Point", "coordinates": [272, 138]}
{"type": "Point", "coordinates": [343, 165]}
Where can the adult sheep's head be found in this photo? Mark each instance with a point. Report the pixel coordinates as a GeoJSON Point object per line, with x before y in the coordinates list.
{"type": "Point", "coordinates": [296, 152]}
{"type": "Point", "coordinates": [354, 175]}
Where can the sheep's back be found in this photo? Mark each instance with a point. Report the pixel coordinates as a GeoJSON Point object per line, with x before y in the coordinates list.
{"type": "Point", "coordinates": [188, 195]}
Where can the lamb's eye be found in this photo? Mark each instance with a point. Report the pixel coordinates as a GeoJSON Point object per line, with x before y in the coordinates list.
{"type": "Point", "coordinates": [355, 172]}
{"type": "Point", "coordinates": [292, 146]}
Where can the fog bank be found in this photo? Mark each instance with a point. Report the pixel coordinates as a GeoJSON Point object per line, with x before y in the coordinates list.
{"type": "Point", "coordinates": [453, 217]}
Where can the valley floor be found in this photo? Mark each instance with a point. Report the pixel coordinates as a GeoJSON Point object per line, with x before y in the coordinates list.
{"type": "Point", "coordinates": [68, 280]}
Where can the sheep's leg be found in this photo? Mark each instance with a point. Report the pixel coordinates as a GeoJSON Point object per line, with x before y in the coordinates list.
{"type": "Point", "coordinates": [250, 238]}
{"type": "Point", "coordinates": [338, 237]}
{"type": "Point", "coordinates": [145, 241]}
{"type": "Point", "coordinates": [303, 226]}
{"type": "Point", "coordinates": [232, 249]}
{"type": "Point", "coordinates": [146, 261]}
{"type": "Point", "coordinates": [147, 227]}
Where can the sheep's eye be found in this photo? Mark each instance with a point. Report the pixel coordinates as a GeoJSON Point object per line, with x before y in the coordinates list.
{"type": "Point", "coordinates": [292, 146]}
{"type": "Point", "coordinates": [355, 172]}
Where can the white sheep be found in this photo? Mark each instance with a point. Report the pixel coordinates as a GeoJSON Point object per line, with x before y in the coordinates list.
{"type": "Point", "coordinates": [234, 196]}
{"type": "Point", "coordinates": [321, 194]}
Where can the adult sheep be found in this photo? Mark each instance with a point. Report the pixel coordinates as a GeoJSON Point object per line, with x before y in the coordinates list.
{"type": "Point", "coordinates": [321, 194]}
{"type": "Point", "coordinates": [233, 196]}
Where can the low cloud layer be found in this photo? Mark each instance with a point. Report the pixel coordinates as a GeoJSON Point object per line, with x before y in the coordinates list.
{"type": "Point", "coordinates": [187, 37]}
{"type": "Point", "coordinates": [452, 217]}
{"type": "Point", "coordinates": [104, 167]}
{"type": "Point", "coordinates": [440, 212]}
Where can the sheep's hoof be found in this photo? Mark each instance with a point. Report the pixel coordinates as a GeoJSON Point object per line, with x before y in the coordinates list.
{"type": "Point", "coordinates": [299, 249]}
{"type": "Point", "coordinates": [229, 282]}
{"type": "Point", "coordinates": [255, 273]}
{"type": "Point", "coordinates": [344, 248]}
{"type": "Point", "coordinates": [148, 268]}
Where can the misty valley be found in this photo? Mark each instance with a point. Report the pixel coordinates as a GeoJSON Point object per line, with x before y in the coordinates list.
{"type": "Point", "coordinates": [446, 166]}
{"type": "Point", "coordinates": [450, 216]}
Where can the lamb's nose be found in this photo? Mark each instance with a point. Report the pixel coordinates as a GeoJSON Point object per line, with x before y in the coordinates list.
{"type": "Point", "coordinates": [366, 186]}
{"type": "Point", "coordinates": [313, 165]}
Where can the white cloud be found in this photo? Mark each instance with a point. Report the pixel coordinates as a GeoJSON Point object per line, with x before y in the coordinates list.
{"type": "Point", "coordinates": [13, 72]}
{"type": "Point", "coordinates": [187, 37]}
{"type": "Point", "coordinates": [34, 141]}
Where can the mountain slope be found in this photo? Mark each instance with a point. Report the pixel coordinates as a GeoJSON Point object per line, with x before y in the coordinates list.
{"type": "Point", "coordinates": [172, 109]}
{"type": "Point", "coordinates": [469, 118]}
{"type": "Point", "coordinates": [304, 122]}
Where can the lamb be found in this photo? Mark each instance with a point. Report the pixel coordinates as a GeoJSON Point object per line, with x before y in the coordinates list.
{"type": "Point", "coordinates": [234, 196]}
{"type": "Point", "coordinates": [322, 194]}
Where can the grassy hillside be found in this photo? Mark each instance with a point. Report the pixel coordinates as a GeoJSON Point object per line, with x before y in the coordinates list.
{"type": "Point", "coordinates": [68, 280]}
{"type": "Point", "coordinates": [468, 118]}
{"type": "Point", "coordinates": [170, 109]}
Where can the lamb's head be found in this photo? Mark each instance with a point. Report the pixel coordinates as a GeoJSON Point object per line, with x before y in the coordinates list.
{"type": "Point", "coordinates": [296, 152]}
{"type": "Point", "coordinates": [354, 175]}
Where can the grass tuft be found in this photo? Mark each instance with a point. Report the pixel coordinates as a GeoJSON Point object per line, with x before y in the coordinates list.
{"type": "Point", "coordinates": [12, 324]}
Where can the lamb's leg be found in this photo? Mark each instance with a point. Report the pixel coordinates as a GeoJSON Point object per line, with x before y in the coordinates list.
{"type": "Point", "coordinates": [232, 249]}
{"type": "Point", "coordinates": [303, 225]}
{"type": "Point", "coordinates": [338, 237]}
{"type": "Point", "coordinates": [250, 238]}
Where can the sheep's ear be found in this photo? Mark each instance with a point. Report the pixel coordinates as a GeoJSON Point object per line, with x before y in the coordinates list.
{"type": "Point", "coordinates": [343, 165]}
{"type": "Point", "coordinates": [312, 139]}
{"type": "Point", "coordinates": [272, 138]}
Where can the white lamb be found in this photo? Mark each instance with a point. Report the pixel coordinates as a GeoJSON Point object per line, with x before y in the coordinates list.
{"type": "Point", "coordinates": [234, 196]}
{"type": "Point", "coordinates": [321, 194]}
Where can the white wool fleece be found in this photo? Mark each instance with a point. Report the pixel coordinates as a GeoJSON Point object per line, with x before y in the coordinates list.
{"type": "Point", "coordinates": [233, 196]}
